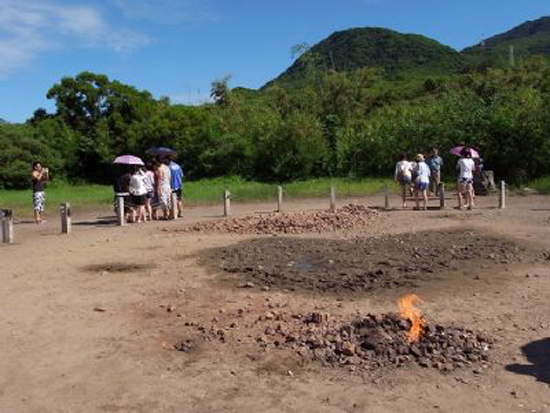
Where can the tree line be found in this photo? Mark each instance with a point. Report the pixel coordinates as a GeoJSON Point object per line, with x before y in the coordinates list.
{"type": "Point", "coordinates": [335, 124]}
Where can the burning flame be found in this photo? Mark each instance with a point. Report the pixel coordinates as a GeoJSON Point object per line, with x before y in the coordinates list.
{"type": "Point", "coordinates": [408, 311]}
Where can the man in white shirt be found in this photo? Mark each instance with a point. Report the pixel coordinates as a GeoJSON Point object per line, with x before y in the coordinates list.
{"type": "Point", "coordinates": [466, 168]}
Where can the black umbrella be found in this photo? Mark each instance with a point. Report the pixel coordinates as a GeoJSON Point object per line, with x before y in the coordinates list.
{"type": "Point", "coordinates": [160, 151]}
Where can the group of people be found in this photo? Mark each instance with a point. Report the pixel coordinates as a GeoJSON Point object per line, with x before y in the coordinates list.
{"type": "Point", "coordinates": [422, 177]}
{"type": "Point", "coordinates": [149, 189]}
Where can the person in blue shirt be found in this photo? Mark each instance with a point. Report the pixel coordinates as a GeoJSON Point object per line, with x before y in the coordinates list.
{"type": "Point", "coordinates": [435, 163]}
{"type": "Point", "coordinates": [177, 184]}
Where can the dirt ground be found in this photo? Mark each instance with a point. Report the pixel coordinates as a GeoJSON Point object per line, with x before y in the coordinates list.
{"type": "Point", "coordinates": [89, 321]}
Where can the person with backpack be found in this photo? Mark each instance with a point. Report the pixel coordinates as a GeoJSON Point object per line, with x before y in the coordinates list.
{"type": "Point", "coordinates": [403, 176]}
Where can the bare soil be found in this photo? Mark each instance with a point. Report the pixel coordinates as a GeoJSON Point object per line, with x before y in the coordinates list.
{"type": "Point", "coordinates": [130, 319]}
{"type": "Point", "coordinates": [361, 264]}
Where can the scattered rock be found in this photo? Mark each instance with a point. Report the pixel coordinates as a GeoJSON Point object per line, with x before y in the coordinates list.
{"type": "Point", "coordinates": [186, 346]}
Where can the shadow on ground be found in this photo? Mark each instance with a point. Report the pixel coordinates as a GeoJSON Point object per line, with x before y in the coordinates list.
{"type": "Point", "coordinates": [99, 222]}
{"type": "Point", "coordinates": [538, 354]}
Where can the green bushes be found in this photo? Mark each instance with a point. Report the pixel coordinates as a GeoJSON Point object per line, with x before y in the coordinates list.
{"type": "Point", "coordinates": [341, 124]}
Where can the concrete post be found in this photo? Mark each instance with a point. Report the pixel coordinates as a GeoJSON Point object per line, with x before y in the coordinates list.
{"type": "Point", "coordinates": [332, 198]}
{"type": "Point", "coordinates": [279, 199]}
{"type": "Point", "coordinates": [442, 195]}
{"type": "Point", "coordinates": [65, 211]}
{"type": "Point", "coordinates": [226, 203]}
{"type": "Point", "coordinates": [502, 197]}
{"type": "Point", "coordinates": [387, 197]}
{"type": "Point", "coordinates": [7, 226]}
{"type": "Point", "coordinates": [121, 221]}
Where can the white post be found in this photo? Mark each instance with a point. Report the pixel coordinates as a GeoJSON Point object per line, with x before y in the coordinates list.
{"type": "Point", "coordinates": [332, 198]}
{"type": "Point", "coordinates": [7, 226]}
{"type": "Point", "coordinates": [279, 199]}
{"type": "Point", "coordinates": [502, 198]}
{"type": "Point", "coordinates": [65, 211]}
{"type": "Point", "coordinates": [387, 197]}
{"type": "Point", "coordinates": [120, 210]}
{"type": "Point", "coordinates": [174, 210]}
{"type": "Point", "coordinates": [226, 203]}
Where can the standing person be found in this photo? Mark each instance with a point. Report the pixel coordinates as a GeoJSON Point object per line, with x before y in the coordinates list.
{"type": "Point", "coordinates": [164, 188]}
{"type": "Point", "coordinates": [466, 168]}
{"type": "Point", "coordinates": [138, 194]}
{"type": "Point", "coordinates": [149, 182]}
{"type": "Point", "coordinates": [435, 163]}
{"type": "Point", "coordinates": [177, 184]}
{"type": "Point", "coordinates": [39, 176]}
{"type": "Point", "coordinates": [122, 186]}
{"type": "Point", "coordinates": [422, 181]}
{"type": "Point", "coordinates": [403, 176]}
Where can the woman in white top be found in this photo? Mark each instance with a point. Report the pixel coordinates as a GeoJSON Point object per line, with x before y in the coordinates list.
{"type": "Point", "coordinates": [403, 176]}
{"type": "Point", "coordinates": [138, 193]}
{"type": "Point", "coordinates": [422, 181]}
{"type": "Point", "coordinates": [466, 168]}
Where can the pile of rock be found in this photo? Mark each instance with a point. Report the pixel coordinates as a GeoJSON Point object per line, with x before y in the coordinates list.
{"type": "Point", "coordinates": [365, 343]}
{"type": "Point", "coordinates": [381, 340]}
{"type": "Point", "coordinates": [346, 217]}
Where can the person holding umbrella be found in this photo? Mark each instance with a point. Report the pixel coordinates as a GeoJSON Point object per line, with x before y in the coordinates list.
{"type": "Point", "coordinates": [122, 184]}
{"type": "Point", "coordinates": [466, 168]}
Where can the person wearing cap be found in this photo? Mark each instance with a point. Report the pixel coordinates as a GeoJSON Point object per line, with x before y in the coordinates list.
{"type": "Point", "coordinates": [422, 181]}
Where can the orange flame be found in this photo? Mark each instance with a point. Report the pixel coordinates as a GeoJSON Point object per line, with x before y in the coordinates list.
{"type": "Point", "coordinates": [408, 311]}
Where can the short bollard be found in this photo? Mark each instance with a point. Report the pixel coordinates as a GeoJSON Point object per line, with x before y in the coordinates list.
{"type": "Point", "coordinates": [442, 195]}
{"type": "Point", "coordinates": [502, 197]}
{"type": "Point", "coordinates": [174, 210]}
{"type": "Point", "coordinates": [7, 226]}
{"type": "Point", "coordinates": [120, 210]}
{"type": "Point", "coordinates": [332, 199]}
{"type": "Point", "coordinates": [65, 211]}
{"type": "Point", "coordinates": [226, 203]}
{"type": "Point", "coordinates": [387, 197]}
{"type": "Point", "coordinates": [279, 199]}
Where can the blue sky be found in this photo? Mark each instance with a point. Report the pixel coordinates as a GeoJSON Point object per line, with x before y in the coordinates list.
{"type": "Point", "coordinates": [176, 48]}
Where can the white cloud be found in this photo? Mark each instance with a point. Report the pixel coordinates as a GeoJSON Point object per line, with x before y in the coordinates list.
{"type": "Point", "coordinates": [166, 11]}
{"type": "Point", "coordinates": [31, 27]}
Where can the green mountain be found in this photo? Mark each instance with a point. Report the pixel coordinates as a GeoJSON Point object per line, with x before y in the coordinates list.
{"type": "Point", "coordinates": [397, 53]}
{"type": "Point", "coordinates": [529, 39]}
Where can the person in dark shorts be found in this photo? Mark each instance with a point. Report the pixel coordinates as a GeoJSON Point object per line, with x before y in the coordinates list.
{"type": "Point", "coordinates": [176, 183]}
{"type": "Point", "coordinates": [138, 195]}
{"type": "Point", "coordinates": [39, 176]}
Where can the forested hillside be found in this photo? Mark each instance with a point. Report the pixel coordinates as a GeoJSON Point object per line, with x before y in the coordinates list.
{"type": "Point", "coordinates": [529, 39]}
{"type": "Point", "coordinates": [396, 53]}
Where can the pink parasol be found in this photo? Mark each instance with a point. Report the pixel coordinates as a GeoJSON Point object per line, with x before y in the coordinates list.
{"type": "Point", "coordinates": [128, 160]}
{"type": "Point", "coordinates": [457, 150]}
